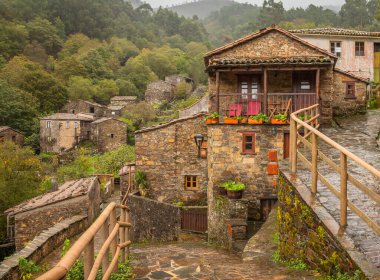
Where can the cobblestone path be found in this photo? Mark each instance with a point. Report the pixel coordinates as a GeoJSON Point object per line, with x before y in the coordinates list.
{"type": "Point", "coordinates": [198, 261]}
{"type": "Point", "coordinates": [357, 134]}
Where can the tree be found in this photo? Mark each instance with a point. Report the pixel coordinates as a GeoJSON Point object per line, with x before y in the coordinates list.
{"type": "Point", "coordinates": [271, 12]}
{"type": "Point", "coordinates": [13, 38]}
{"type": "Point", "coordinates": [105, 89]}
{"type": "Point", "coordinates": [80, 88]}
{"type": "Point", "coordinates": [354, 13]}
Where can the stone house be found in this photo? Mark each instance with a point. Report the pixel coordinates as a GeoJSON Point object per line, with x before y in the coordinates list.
{"type": "Point", "coordinates": [123, 100]}
{"type": "Point", "coordinates": [9, 134]}
{"type": "Point", "coordinates": [108, 134]}
{"type": "Point", "coordinates": [85, 107]}
{"type": "Point", "coordinates": [63, 131]}
{"type": "Point", "coordinates": [159, 91]}
{"type": "Point", "coordinates": [115, 110]}
{"type": "Point", "coordinates": [30, 218]}
{"type": "Point", "coordinates": [168, 155]}
{"type": "Point", "coordinates": [358, 52]}
{"type": "Point", "coordinates": [271, 71]}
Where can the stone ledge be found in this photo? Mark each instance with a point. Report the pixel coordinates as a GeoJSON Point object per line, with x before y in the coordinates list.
{"type": "Point", "coordinates": [42, 245]}
{"type": "Point", "coordinates": [331, 225]}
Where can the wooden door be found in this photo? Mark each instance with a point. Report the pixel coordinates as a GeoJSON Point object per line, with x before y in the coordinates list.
{"type": "Point", "coordinates": [249, 87]}
{"type": "Point", "coordinates": [286, 144]}
{"type": "Point", "coordinates": [303, 82]}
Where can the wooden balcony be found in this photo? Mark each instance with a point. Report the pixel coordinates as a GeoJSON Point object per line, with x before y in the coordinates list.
{"type": "Point", "coordinates": [238, 104]}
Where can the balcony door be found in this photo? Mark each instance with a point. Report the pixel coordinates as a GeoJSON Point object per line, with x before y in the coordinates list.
{"type": "Point", "coordinates": [304, 84]}
{"type": "Point", "coordinates": [249, 87]}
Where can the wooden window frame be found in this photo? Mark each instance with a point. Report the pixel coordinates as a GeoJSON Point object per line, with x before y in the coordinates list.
{"type": "Point", "coordinates": [333, 44]}
{"type": "Point", "coordinates": [359, 51]}
{"type": "Point", "coordinates": [244, 142]}
{"type": "Point", "coordinates": [351, 95]}
{"type": "Point", "coordinates": [193, 180]}
{"type": "Point", "coordinates": [48, 124]}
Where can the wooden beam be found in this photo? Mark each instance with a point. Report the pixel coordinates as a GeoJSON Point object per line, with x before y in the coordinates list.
{"type": "Point", "coordinates": [265, 91]}
{"type": "Point", "coordinates": [217, 88]}
{"type": "Point", "coordinates": [317, 83]}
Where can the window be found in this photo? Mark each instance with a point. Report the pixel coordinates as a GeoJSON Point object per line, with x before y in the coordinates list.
{"type": "Point", "coordinates": [92, 109]}
{"type": "Point", "coordinates": [359, 48]}
{"type": "Point", "coordinates": [335, 48]}
{"type": "Point", "coordinates": [75, 124]}
{"type": "Point", "coordinates": [305, 85]}
{"type": "Point", "coordinates": [49, 139]}
{"type": "Point", "coordinates": [350, 90]}
{"type": "Point", "coordinates": [191, 183]}
{"type": "Point", "coordinates": [113, 113]}
{"type": "Point", "coordinates": [14, 138]}
{"type": "Point", "coordinates": [67, 124]}
{"type": "Point", "coordinates": [248, 143]}
{"type": "Point", "coordinates": [112, 136]}
{"type": "Point", "coordinates": [48, 124]}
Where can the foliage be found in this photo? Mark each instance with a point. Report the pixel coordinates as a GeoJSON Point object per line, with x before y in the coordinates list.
{"type": "Point", "coordinates": [260, 116]}
{"type": "Point", "coordinates": [65, 247]}
{"type": "Point", "coordinates": [295, 264]}
{"type": "Point", "coordinates": [141, 180]}
{"type": "Point", "coordinates": [27, 268]}
{"type": "Point", "coordinates": [125, 272]}
{"type": "Point", "coordinates": [212, 116]}
{"type": "Point", "coordinates": [140, 114]}
{"type": "Point", "coordinates": [280, 117]}
{"type": "Point", "coordinates": [76, 272]}
{"type": "Point", "coordinates": [179, 203]}
{"type": "Point", "coordinates": [233, 186]}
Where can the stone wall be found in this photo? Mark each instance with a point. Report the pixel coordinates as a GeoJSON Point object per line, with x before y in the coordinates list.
{"type": "Point", "coordinates": [31, 223]}
{"type": "Point", "coordinates": [12, 135]}
{"type": "Point", "coordinates": [158, 92]}
{"type": "Point", "coordinates": [326, 94]}
{"type": "Point", "coordinates": [227, 162]}
{"type": "Point", "coordinates": [153, 221]}
{"type": "Point", "coordinates": [168, 153]}
{"type": "Point", "coordinates": [200, 107]}
{"type": "Point", "coordinates": [109, 134]}
{"type": "Point", "coordinates": [81, 106]}
{"type": "Point", "coordinates": [42, 245]}
{"type": "Point", "coordinates": [348, 106]}
{"type": "Point", "coordinates": [309, 233]}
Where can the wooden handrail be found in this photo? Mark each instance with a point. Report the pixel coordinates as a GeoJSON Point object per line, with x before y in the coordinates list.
{"type": "Point", "coordinates": [310, 127]}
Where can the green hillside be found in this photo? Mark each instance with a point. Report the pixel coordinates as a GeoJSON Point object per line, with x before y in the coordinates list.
{"type": "Point", "coordinates": [201, 8]}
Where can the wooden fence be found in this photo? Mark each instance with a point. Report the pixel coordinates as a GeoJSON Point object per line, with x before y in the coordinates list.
{"type": "Point", "coordinates": [306, 121]}
{"type": "Point", "coordinates": [115, 237]}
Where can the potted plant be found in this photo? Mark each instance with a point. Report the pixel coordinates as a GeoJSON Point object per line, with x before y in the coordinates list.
{"type": "Point", "coordinates": [258, 119]}
{"type": "Point", "coordinates": [231, 120]}
{"type": "Point", "coordinates": [223, 187]}
{"type": "Point", "coordinates": [212, 119]}
{"type": "Point", "coordinates": [279, 119]}
{"type": "Point", "coordinates": [141, 182]}
{"type": "Point", "coordinates": [234, 190]}
{"type": "Point", "coordinates": [243, 120]}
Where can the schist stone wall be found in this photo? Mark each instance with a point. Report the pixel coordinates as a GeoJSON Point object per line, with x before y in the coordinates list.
{"type": "Point", "coordinates": [167, 153]}
{"type": "Point", "coordinates": [108, 134]}
{"type": "Point", "coordinates": [344, 105]}
{"type": "Point", "coordinates": [82, 106]}
{"type": "Point", "coordinates": [226, 161]}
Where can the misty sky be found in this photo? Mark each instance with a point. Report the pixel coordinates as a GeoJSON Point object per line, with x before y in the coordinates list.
{"type": "Point", "coordinates": [287, 3]}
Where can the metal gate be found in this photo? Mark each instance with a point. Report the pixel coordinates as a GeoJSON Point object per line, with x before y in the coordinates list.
{"type": "Point", "coordinates": [194, 219]}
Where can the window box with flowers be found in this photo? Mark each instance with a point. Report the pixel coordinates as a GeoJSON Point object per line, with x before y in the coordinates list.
{"type": "Point", "coordinates": [258, 119]}
{"type": "Point", "coordinates": [212, 119]}
{"type": "Point", "coordinates": [279, 119]}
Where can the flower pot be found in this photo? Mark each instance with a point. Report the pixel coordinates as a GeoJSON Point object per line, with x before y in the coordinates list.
{"type": "Point", "coordinates": [235, 194]}
{"type": "Point", "coordinates": [277, 121]}
{"type": "Point", "coordinates": [253, 121]}
{"type": "Point", "coordinates": [244, 120]}
{"type": "Point", "coordinates": [212, 121]}
{"type": "Point", "coordinates": [222, 191]}
{"type": "Point", "coordinates": [231, 121]}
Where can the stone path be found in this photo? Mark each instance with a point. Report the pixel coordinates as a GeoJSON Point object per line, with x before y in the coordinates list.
{"type": "Point", "coordinates": [198, 261]}
{"type": "Point", "coordinates": [357, 134]}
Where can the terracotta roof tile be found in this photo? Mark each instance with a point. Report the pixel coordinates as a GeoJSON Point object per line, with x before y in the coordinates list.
{"type": "Point", "coordinates": [336, 31]}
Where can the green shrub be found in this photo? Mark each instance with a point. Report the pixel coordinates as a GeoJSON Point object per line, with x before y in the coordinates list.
{"type": "Point", "coordinates": [212, 116]}
{"type": "Point", "coordinates": [280, 117]}
{"type": "Point", "coordinates": [260, 116]}
{"type": "Point", "coordinates": [233, 186]}
{"type": "Point", "coordinates": [27, 268]}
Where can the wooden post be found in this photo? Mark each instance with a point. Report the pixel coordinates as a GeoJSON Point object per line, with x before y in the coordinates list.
{"type": "Point", "coordinates": [127, 232]}
{"type": "Point", "coordinates": [265, 91]}
{"type": "Point", "coordinates": [88, 258]}
{"type": "Point", "coordinates": [129, 180]}
{"type": "Point", "coordinates": [104, 235]}
{"type": "Point", "coordinates": [122, 234]}
{"type": "Point", "coordinates": [114, 241]}
{"type": "Point", "coordinates": [314, 163]}
{"type": "Point", "coordinates": [317, 85]}
{"type": "Point", "coordinates": [217, 91]}
{"type": "Point", "coordinates": [343, 189]}
{"type": "Point", "coordinates": [293, 145]}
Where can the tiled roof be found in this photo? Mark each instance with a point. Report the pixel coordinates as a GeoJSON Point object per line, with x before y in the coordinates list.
{"type": "Point", "coordinates": [262, 32]}
{"type": "Point", "coordinates": [336, 31]}
{"type": "Point", "coordinates": [67, 116]}
{"type": "Point", "coordinates": [232, 61]}
{"type": "Point", "coordinates": [68, 190]}
{"type": "Point", "coordinates": [352, 75]}
{"type": "Point", "coordinates": [4, 128]}
{"type": "Point", "coordinates": [104, 119]}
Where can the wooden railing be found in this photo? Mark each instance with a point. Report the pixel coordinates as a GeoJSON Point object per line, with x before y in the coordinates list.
{"type": "Point", "coordinates": [115, 240]}
{"type": "Point", "coordinates": [310, 138]}
{"type": "Point", "coordinates": [275, 102]}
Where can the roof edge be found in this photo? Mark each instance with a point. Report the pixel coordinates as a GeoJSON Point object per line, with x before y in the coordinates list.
{"type": "Point", "coordinates": [352, 75]}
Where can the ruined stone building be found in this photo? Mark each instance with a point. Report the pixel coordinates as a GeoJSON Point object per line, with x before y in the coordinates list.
{"type": "Point", "coordinates": [108, 134]}
{"type": "Point", "coordinates": [159, 91]}
{"type": "Point", "coordinates": [9, 134]}
{"type": "Point", "coordinates": [85, 107]}
{"type": "Point", "coordinates": [358, 52]}
{"type": "Point", "coordinates": [271, 71]}
{"type": "Point", "coordinates": [63, 131]}
{"type": "Point", "coordinates": [30, 218]}
{"type": "Point", "coordinates": [123, 100]}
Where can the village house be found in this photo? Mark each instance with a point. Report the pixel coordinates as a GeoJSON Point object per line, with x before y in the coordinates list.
{"type": "Point", "coordinates": [85, 107]}
{"type": "Point", "coordinates": [63, 131]}
{"type": "Point", "coordinates": [358, 52]}
{"type": "Point", "coordinates": [9, 134]}
{"type": "Point", "coordinates": [108, 134]}
{"type": "Point", "coordinates": [115, 110]}
{"type": "Point", "coordinates": [159, 91]}
{"type": "Point", "coordinates": [271, 71]}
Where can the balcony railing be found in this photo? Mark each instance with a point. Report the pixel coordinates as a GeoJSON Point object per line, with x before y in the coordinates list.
{"type": "Point", "coordinates": [238, 104]}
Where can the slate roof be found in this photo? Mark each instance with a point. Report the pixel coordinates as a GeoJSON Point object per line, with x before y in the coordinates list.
{"type": "Point", "coordinates": [116, 107]}
{"type": "Point", "coordinates": [352, 75]}
{"type": "Point", "coordinates": [4, 128]}
{"type": "Point", "coordinates": [236, 61]}
{"type": "Point", "coordinates": [104, 120]}
{"type": "Point", "coordinates": [67, 116]}
{"type": "Point", "coordinates": [330, 31]}
{"type": "Point", "coordinates": [68, 190]}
